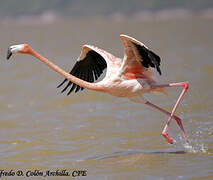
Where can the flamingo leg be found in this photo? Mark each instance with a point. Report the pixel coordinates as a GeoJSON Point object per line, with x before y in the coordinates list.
{"type": "Point", "coordinates": [139, 99]}
{"type": "Point", "coordinates": [165, 130]}
{"type": "Point", "coordinates": [177, 119]}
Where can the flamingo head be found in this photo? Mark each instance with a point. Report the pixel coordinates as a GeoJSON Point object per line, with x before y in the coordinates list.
{"type": "Point", "coordinates": [20, 48]}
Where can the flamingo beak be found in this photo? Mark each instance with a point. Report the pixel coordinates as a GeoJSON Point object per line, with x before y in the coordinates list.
{"type": "Point", "coordinates": [9, 53]}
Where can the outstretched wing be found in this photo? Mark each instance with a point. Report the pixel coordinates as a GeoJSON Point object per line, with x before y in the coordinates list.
{"type": "Point", "coordinates": [137, 51]}
{"type": "Point", "coordinates": [89, 66]}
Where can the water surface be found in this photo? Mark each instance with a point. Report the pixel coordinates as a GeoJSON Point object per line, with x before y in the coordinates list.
{"type": "Point", "coordinates": [110, 138]}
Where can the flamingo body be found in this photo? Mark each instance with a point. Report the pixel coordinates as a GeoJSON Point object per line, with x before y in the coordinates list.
{"type": "Point", "coordinates": [129, 77]}
{"type": "Point", "coordinates": [125, 77]}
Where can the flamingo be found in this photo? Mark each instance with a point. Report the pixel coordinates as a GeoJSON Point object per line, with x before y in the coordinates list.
{"type": "Point", "coordinates": [129, 77]}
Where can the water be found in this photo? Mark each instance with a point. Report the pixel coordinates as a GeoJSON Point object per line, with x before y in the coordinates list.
{"type": "Point", "coordinates": [110, 138]}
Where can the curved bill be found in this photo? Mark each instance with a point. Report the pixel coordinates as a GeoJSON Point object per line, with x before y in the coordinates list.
{"type": "Point", "coordinates": [9, 53]}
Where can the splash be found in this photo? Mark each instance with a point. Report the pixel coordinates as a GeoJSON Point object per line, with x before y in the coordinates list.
{"type": "Point", "coordinates": [193, 146]}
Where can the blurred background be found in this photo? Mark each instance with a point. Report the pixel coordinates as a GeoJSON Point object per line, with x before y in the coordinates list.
{"type": "Point", "coordinates": [112, 138]}
{"type": "Point", "coordinates": [82, 8]}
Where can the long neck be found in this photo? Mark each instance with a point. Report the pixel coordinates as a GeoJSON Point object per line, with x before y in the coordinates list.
{"type": "Point", "coordinates": [80, 82]}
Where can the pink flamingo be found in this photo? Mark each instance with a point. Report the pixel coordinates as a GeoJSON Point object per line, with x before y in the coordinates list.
{"type": "Point", "coordinates": [129, 77]}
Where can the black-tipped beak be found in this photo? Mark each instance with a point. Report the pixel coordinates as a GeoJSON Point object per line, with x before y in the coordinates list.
{"type": "Point", "coordinates": [9, 53]}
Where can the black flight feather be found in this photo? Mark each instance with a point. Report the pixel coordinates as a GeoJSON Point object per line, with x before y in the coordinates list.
{"type": "Point", "coordinates": [149, 58]}
{"type": "Point", "coordinates": [88, 69]}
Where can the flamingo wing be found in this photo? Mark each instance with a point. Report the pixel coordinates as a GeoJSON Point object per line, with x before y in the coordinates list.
{"type": "Point", "coordinates": [137, 51]}
{"type": "Point", "coordinates": [89, 67]}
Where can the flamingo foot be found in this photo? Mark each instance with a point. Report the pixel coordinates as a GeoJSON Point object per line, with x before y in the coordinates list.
{"type": "Point", "coordinates": [167, 137]}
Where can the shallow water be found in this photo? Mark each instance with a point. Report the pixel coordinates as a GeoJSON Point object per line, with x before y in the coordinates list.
{"type": "Point", "coordinates": [110, 138]}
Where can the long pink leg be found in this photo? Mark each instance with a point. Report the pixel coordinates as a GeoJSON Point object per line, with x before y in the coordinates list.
{"type": "Point", "coordinates": [178, 120]}
{"type": "Point", "coordinates": [165, 130]}
{"type": "Point", "coordinates": [139, 99]}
